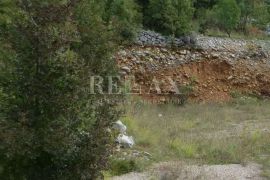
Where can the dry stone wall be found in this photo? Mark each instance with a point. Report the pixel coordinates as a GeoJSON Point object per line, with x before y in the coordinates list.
{"type": "Point", "coordinates": [151, 38]}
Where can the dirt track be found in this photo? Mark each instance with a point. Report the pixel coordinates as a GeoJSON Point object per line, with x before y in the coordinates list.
{"type": "Point", "coordinates": [176, 170]}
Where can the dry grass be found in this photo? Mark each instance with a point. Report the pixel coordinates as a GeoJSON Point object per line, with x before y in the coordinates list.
{"type": "Point", "coordinates": [236, 132]}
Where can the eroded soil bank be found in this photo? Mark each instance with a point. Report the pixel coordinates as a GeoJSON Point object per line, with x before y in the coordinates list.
{"type": "Point", "coordinates": [202, 74]}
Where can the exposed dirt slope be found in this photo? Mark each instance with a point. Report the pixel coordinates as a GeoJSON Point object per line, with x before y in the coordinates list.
{"type": "Point", "coordinates": [207, 75]}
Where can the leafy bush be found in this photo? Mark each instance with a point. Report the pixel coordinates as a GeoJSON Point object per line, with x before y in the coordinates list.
{"type": "Point", "coordinates": [124, 14]}
{"type": "Point", "coordinates": [119, 167]}
{"type": "Point", "coordinates": [170, 17]}
{"type": "Point", "coordinates": [49, 127]}
{"type": "Point", "coordinates": [228, 15]}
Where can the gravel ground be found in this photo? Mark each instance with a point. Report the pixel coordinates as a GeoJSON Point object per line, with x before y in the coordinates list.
{"type": "Point", "coordinates": [179, 171]}
{"type": "Point", "coordinates": [151, 38]}
{"type": "Point", "coordinates": [229, 44]}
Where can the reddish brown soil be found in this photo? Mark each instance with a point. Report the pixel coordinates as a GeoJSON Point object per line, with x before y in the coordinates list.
{"type": "Point", "coordinates": [211, 80]}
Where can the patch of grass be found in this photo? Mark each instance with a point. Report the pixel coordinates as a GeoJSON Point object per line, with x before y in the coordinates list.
{"type": "Point", "coordinates": [118, 166]}
{"type": "Point", "coordinates": [236, 132]}
{"type": "Point", "coordinates": [184, 150]}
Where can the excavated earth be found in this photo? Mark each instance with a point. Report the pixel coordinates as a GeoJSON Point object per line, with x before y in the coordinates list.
{"type": "Point", "coordinates": [211, 71]}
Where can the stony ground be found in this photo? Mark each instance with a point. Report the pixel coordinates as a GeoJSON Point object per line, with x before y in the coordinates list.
{"type": "Point", "coordinates": [215, 68]}
{"type": "Point", "coordinates": [228, 44]}
{"type": "Point", "coordinates": [179, 171]}
{"type": "Point", "coordinates": [150, 38]}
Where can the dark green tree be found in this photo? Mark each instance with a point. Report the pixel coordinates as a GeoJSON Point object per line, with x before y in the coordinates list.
{"type": "Point", "coordinates": [50, 126]}
{"type": "Point", "coordinates": [205, 4]}
{"type": "Point", "coordinates": [184, 11]}
{"type": "Point", "coordinates": [170, 17]}
{"type": "Point", "coordinates": [125, 15]}
{"type": "Point", "coordinates": [143, 5]}
{"type": "Point", "coordinates": [228, 15]}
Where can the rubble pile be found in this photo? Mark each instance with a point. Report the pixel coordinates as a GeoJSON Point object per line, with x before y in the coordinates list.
{"type": "Point", "coordinates": [151, 38]}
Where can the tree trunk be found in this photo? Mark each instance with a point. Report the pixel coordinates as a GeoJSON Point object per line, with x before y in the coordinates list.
{"type": "Point", "coordinates": [229, 33]}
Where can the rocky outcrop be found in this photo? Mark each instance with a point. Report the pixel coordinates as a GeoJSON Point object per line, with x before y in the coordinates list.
{"type": "Point", "coordinates": [151, 38]}
{"type": "Point", "coordinates": [229, 44]}
{"type": "Point", "coordinates": [155, 58]}
{"type": "Point", "coordinates": [215, 68]}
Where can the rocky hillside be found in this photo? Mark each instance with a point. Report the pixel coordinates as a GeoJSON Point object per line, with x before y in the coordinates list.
{"type": "Point", "coordinates": [203, 68]}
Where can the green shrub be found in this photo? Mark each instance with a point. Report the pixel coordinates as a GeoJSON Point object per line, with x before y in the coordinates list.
{"type": "Point", "coordinates": [228, 15]}
{"type": "Point", "coordinates": [49, 127]}
{"type": "Point", "coordinates": [170, 17]}
{"type": "Point", "coordinates": [119, 167]}
{"type": "Point", "coordinates": [126, 16]}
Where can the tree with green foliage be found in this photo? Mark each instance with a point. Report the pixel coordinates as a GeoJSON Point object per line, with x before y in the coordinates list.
{"type": "Point", "coordinates": [125, 14]}
{"type": "Point", "coordinates": [170, 17]}
{"type": "Point", "coordinates": [228, 15]}
{"type": "Point", "coordinates": [50, 128]}
{"type": "Point", "coordinates": [201, 6]}
{"type": "Point", "coordinates": [185, 11]}
{"type": "Point", "coordinates": [6, 7]}
{"type": "Point", "coordinates": [206, 4]}
{"type": "Point", "coordinates": [253, 12]}
{"type": "Point", "coordinates": [144, 8]}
